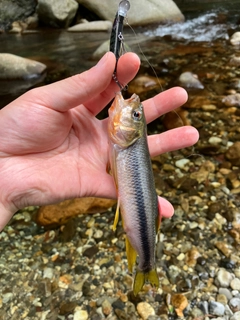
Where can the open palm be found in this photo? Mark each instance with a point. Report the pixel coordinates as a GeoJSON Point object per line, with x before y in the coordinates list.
{"type": "Point", "coordinates": [53, 147]}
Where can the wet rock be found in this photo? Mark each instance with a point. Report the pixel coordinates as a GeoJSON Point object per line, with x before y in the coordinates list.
{"type": "Point", "coordinates": [58, 214]}
{"type": "Point", "coordinates": [235, 39]}
{"type": "Point", "coordinates": [175, 119]}
{"type": "Point", "coordinates": [145, 310]}
{"type": "Point", "coordinates": [57, 14]}
{"type": "Point", "coordinates": [91, 26]}
{"type": "Point", "coordinates": [232, 100]}
{"type": "Point", "coordinates": [101, 50]}
{"type": "Point", "coordinates": [15, 67]}
{"type": "Point", "coordinates": [216, 308]}
{"type": "Point", "coordinates": [189, 80]}
{"type": "Point", "coordinates": [233, 154]}
{"type": "Point", "coordinates": [143, 83]}
{"type": "Point", "coordinates": [157, 11]}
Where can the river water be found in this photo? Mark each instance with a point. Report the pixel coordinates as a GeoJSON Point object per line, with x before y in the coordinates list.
{"type": "Point", "coordinates": [67, 53]}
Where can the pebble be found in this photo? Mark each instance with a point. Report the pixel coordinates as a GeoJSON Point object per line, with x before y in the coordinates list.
{"type": "Point", "coordinates": [182, 163]}
{"type": "Point", "coordinates": [214, 140]}
{"type": "Point", "coordinates": [80, 314]}
{"type": "Point", "coordinates": [235, 284]}
{"type": "Point", "coordinates": [216, 308]}
{"type": "Point", "coordinates": [236, 316]}
{"type": "Point", "coordinates": [224, 278]}
{"type": "Point", "coordinates": [145, 310]}
{"type": "Point", "coordinates": [234, 304]}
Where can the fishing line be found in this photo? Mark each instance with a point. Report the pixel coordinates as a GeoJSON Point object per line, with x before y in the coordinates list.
{"type": "Point", "coordinates": [148, 62]}
{"type": "Point", "coordinates": [144, 56]}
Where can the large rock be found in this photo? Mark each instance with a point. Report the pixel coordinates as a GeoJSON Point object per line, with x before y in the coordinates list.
{"type": "Point", "coordinates": [58, 214]}
{"type": "Point", "coordinates": [15, 10]}
{"type": "Point", "coordinates": [57, 13]}
{"type": "Point", "coordinates": [91, 26]}
{"type": "Point", "coordinates": [15, 67]}
{"type": "Point", "coordinates": [142, 12]}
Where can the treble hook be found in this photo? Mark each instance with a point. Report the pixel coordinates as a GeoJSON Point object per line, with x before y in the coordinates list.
{"type": "Point", "coordinates": [116, 39]}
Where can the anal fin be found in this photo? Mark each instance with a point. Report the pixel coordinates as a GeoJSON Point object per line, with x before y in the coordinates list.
{"type": "Point", "coordinates": [131, 255]}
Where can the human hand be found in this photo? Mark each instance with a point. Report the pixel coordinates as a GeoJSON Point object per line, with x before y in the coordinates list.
{"type": "Point", "coordinates": [53, 147]}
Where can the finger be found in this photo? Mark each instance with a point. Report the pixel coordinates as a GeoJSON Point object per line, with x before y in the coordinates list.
{"type": "Point", "coordinates": [172, 140]}
{"type": "Point", "coordinates": [164, 102]}
{"type": "Point", "coordinates": [71, 92]}
{"type": "Point", "coordinates": [127, 68]}
{"type": "Point", "coordinates": [166, 209]}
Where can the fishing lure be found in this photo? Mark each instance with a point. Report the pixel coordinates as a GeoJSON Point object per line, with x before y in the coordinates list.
{"type": "Point", "coordinates": [116, 39]}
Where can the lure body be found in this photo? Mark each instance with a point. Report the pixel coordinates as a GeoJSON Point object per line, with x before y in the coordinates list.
{"type": "Point", "coordinates": [137, 198]}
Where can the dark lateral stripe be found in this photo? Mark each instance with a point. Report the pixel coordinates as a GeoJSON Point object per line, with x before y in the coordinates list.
{"type": "Point", "coordinates": [138, 178]}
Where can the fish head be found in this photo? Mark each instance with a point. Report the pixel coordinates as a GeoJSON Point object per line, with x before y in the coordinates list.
{"type": "Point", "coordinates": [126, 120]}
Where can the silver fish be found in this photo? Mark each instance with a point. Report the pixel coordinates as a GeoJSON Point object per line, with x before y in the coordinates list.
{"type": "Point", "coordinates": [137, 199]}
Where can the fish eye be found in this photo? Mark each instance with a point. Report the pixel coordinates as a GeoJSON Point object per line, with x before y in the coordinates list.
{"type": "Point", "coordinates": [137, 115]}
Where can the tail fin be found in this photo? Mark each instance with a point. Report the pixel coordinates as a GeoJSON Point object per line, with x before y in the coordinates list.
{"type": "Point", "coordinates": [141, 278]}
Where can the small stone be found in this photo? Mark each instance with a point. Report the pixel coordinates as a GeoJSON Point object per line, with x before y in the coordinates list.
{"type": "Point", "coordinates": [226, 292]}
{"type": "Point", "coordinates": [233, 154]}
{"type": "Point", "coordinates": [222, 299]}
{"type": "Point", "coordinates": [192, 256]}
{"type": "Point", "coordinates": [145, 310]}
{"type": "Point", "coordinates": [179, 302]}
{"type": "Point", "coordinates": [80, 314]}
{"type": "Point", "coordinates": [98, 234]}
{"type": "Point", "coordinates": [234, 304]}
{"type": "Point", "coordinates": [223, 278]}
{"type": "Point", "coordinates": [106, 307]}
{"type": "Point", "coordinates": [216, 308]}
{"type": "Point", "coordinates": [235, 284]}
{"type": "Point", "coordinates": [214, 140]}
{"type": "Point", "coordinates": [236, 316]}
{"type": "Point", "coordinates": [189, 80]}
{"type": "Point", "coordinates": [48, 273]}
{"type": "Point", "coordinates": [235, 39]}
{"type": "Point", "coordinates": [224, 247]}
{"type": "Point", "coordinates": [203, 305]}
{"type": "Point", "coordinates": [232, 100]}
{"type": "Point", "coordinates": [182, 163]}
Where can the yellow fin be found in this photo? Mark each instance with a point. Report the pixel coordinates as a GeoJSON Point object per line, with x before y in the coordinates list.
{"type": "Point", "coordinates": [131, 255]}
{"type": "Point", "coordinates": [141, 278]}
{"type": "Point", "coordinates": [139, 281]}
{"type": "Point", "coordinates": [152, 277]}
{"type": "Point", "coordinates": [116, 219]}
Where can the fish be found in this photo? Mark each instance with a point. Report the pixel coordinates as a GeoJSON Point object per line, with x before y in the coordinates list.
{"type": "Point", "coordinates": [131, 168]}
